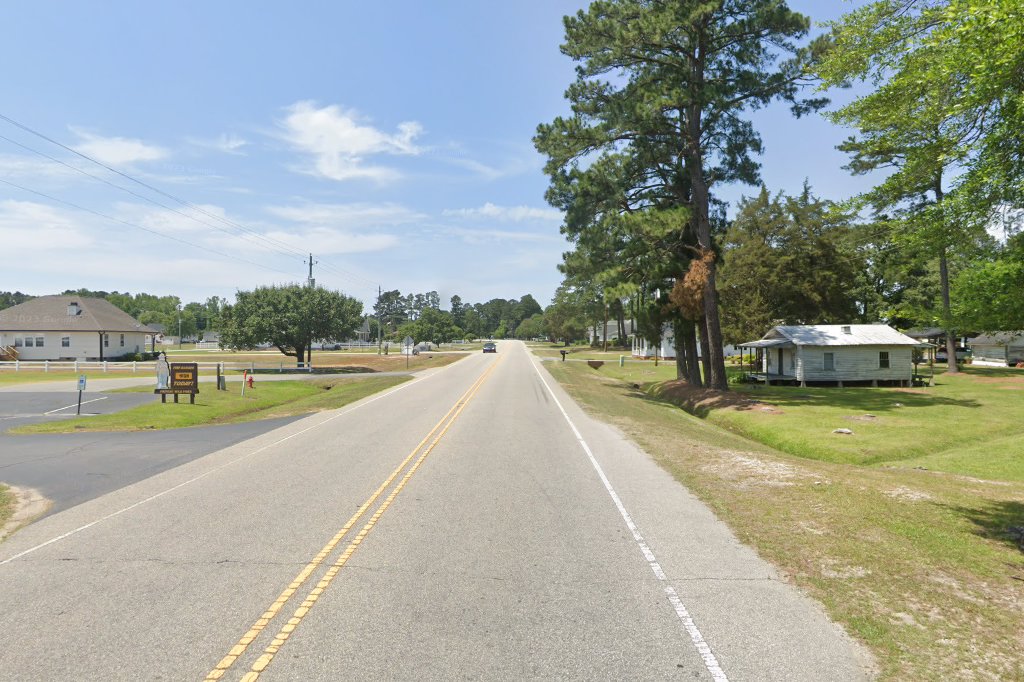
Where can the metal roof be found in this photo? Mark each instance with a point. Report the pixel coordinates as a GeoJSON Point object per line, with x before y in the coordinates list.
{"type": "Point", "coordinates": [837, 335]}
{"type": "Point", "coordinates": [767, 343]}
{"type": "Point", "coordinates": [999, 339]}
{"type": "Point", "coordinates": [50, 314]}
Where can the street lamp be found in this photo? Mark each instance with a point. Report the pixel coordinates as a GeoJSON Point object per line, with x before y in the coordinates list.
{"type": "Point", "coordinates": [179, 326]}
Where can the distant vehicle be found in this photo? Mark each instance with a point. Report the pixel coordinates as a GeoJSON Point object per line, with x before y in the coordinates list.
{"type": "Point", "coordinates": [961, 354]}
{"type": "Point", "coordinates": [490, 348]}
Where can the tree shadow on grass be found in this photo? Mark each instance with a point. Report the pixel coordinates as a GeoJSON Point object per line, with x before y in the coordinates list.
{"type": "Point", "coordinates": [1002, 521]}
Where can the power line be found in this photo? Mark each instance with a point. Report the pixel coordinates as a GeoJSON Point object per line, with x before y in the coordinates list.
{"type": "Point", "coordinates": [138, 227]}
{"type": "Point", "coordinates": [199, 209]}
{"type": "Point", "coordinates": [136, 194]}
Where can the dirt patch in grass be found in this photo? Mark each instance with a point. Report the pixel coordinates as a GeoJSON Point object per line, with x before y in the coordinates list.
{"type": "Point", "coordinates": [18, 506]}
{"type": "Point", "coordinates": [702, 400]}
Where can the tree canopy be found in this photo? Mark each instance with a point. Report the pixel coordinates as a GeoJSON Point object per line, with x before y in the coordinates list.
{"type": "Point", "coordinates": [656, 122]}
{"type": "Point", "coordinates": [289, 317]}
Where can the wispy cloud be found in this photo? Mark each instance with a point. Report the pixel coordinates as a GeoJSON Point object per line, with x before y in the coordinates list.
{"type": "Point", "coordinates": [511, 214]}
{"type": "Point", "coordinates": [28, 227]}
{"type": "Point", "coordinates": [117, 151]}
{"type": "Point", "coordinates": [340, 143]}
{"type": "Point", "coordinates": [350, 216]}
{"type": "Point", "coordinates": [228, 143]}
{"type": "Point", "coordinates": [480, 236]}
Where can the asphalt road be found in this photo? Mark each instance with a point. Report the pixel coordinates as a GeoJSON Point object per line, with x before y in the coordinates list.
{"type": "Point", "coordinates": [459, 526]}
{"type": "Point", "coordinates": [71, 468]}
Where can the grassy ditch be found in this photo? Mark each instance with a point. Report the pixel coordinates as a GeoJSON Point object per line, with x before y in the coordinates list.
{"type": "Point", "coordinates": [921, 564]}
{"type": "Point", "coordinates": [267, 400]}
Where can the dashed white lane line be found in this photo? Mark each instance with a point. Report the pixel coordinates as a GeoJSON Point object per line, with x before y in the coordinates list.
{"type": "Point", "coordinates": [710, 662]}
{"type": "Point", "coordinates": [61, 409]}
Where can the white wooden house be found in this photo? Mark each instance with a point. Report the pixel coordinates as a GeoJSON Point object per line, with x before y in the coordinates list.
{"type": "Point", "coordinates": [873, 354]}
{"type": "Point", "coordinates": [1000, 348]}
{"type": "Point", "coordinates": [70, 328]}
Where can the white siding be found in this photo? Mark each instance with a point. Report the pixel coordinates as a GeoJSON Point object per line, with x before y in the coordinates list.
{"type": "Point", "coordinates": [83, 345]}
{"type": "Point", "coordinates": [855, 363]}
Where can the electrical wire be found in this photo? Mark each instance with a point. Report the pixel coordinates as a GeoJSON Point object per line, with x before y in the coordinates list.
{"type": "Point", "coordinates": [138, 227]}
{"type": "Point", "coordinates": [282, 245]}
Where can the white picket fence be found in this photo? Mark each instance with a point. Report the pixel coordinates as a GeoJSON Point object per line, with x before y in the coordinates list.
{"type": "Point", "coordinates": [110, 367]}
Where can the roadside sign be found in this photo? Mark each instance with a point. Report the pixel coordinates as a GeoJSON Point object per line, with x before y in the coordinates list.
{"type": "Point", "coordinates": [408, 342]}
{"type": "Point", "coordinates": [81, 382]}
{"type": "Point", "coordinates": [183, 380]}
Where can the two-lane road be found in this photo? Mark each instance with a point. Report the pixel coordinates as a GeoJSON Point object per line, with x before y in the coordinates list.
{"type": "Point", "coordinates": [471, 524]}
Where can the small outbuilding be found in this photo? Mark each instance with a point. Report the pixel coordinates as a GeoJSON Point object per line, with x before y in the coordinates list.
{"type": "Point", "coordinates": [70, 328]}
{"type": "Point", "coordinates": [850, 354]}
{"type": "Point", "coordinates": [999, 348]}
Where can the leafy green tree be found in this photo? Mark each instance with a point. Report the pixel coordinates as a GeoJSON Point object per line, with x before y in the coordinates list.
{"type": "Point", "coordinates": [13, 298]}
{"type": "Point", "coordinates": [390, 309]}
{"type": "Point", "coordinates": [531, 328]}
{"type": "Point", "coordinates": [944, 118]}
{"type": "Point", "coordinates": [786, 260]}
{"type": "Point", "coordinates": [458, 310]}
{"type": "Point", "coordinates": [661, 88]}
{"type": "Point", "coordinates": [990, 295]}
{"type": "Point", "coordinates": [289, 317]}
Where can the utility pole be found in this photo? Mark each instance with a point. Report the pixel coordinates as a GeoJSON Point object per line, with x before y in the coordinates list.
{"type": "Point", "coordinates": [310, 282]}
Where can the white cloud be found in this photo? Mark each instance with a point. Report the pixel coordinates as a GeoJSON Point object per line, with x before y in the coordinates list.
{"type": "Point", "coordinates": [327, 241]}
{"type": "Point", "coordinates": [14, 166]}
{"type": "Point", "coordinates": [350, 216]}
{"type": "Point", "coordinates": [511, 214]}
{"type": "Point", "coordinates": [117, 151]}
{"type": "Point", "coordinates": [480, 236]}
{"type": "Point", "coordinates": [228, 143]}
{"type": "Point", "coordinates": [30, 228]}
{"type": "Point", "coordinates": [339, 143]}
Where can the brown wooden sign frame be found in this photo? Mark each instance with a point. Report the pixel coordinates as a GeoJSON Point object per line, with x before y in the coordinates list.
{"type": "Point", "coordinates": [183, 379]}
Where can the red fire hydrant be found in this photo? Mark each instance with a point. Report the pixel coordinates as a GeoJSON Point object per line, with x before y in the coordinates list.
{"type": "Point", "coordinates": [249, 379]}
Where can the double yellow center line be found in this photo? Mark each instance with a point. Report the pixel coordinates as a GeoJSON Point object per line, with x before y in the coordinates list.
{"type": "Point", "coordinates": [423, 449]}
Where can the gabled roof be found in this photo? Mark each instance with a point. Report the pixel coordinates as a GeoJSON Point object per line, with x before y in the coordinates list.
{"type": "Point", "coordinates": [836, 335]}
{"type": "Point", "coordinates": [50, 314]}
{"type": "Point", "coordinates": [999, 339]}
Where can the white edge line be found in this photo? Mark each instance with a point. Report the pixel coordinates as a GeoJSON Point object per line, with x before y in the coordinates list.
{"type": "Point", "coordinates": [710, 662]}
{"type": "Point", "coordinates": [59, 409]}
{"type": "Point", "coordinates": [111, 515]}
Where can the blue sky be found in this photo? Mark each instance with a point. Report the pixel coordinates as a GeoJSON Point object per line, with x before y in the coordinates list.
{"type": "Point", "coordinates": [393, 140]}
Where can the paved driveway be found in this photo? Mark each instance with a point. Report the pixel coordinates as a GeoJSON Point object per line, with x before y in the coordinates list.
{"type": "Point", "coordinates": [71, 468]}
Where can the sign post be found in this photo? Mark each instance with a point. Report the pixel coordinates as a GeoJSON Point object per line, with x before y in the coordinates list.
{"type": "Point", "coordinates": [407, 349]}
{"type": "Point", "coordinates": [81, 387]}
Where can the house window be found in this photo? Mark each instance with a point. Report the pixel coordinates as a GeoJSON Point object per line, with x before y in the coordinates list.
{"type": "Point", "coordinates": [29, 342]}
{"type": "Point", "coordinates": [106, 340]}
{"type": "Point", "coordinates": [830, 362]}
{"type": "Point", "coordinates": [122, 340]}
{"type": "Point", "coordinates": [18, 342]}
{"type": "Point", "coordinates": [39, 342]}
{"type": "Point", "coordinates": [65, 342]}
{"type": "Point", "coordinates": [883, 359]}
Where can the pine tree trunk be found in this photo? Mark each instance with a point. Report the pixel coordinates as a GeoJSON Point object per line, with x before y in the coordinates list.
{"type": "Point", "coordinates": [702, 324]}
{"type": "Point", "coordinates": [947, 318]}
{"type": "Point", "coordinates": [692, 357]}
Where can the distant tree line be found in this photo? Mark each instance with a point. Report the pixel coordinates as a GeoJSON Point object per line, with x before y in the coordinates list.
{"type": "Point", "coordinates": [420, 316]}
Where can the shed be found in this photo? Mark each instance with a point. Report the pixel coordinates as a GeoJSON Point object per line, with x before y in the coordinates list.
{"type": "Point", "coordinates": [998, 348]}
{"type": "Point", "coordinates": [864, 354]}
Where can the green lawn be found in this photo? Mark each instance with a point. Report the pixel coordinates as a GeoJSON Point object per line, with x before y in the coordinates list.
{"type": "Point", "coordinates": [919, 564]}
{"type": "Point", "coordinates": [268, 399]}
{"type": "Point", "coordinates": [967, 424]}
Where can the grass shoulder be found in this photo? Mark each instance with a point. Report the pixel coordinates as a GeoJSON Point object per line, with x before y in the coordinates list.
{"type": "Point", "coordinates": [267, 400]}
{"type": "Point", "coordinates": [922, 565]}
